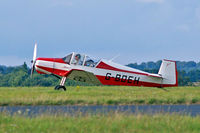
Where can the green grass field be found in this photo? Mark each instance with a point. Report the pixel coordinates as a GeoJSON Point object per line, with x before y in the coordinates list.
{"type": "Point", "coordinates": [108, 95]}
{"type": "Point", "coordinates": [114, 123]}
{"type": "Point", "coordinates": [92, 95]}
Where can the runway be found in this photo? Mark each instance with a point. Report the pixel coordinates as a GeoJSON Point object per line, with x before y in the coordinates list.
{"type": "Point", "coordinates": [192, 110]}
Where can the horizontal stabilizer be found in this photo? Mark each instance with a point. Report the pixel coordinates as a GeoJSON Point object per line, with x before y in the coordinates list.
{"type": "Point", "coordinates": [154, 75]}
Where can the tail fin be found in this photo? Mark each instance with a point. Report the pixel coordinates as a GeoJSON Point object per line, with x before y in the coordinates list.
{"type": "Point", "coordinates": [168, 71]}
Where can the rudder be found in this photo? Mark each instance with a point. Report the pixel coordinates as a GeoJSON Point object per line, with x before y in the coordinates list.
{"type": "Point", "coordinates": [168, 71]}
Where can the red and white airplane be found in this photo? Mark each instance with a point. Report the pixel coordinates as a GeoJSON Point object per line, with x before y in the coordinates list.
{"type": "Point", "coordinates": [82, 68]}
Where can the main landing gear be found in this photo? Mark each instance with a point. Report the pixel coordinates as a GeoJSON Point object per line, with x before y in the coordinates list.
{"type": "Point", "coordinates": [62, 84]}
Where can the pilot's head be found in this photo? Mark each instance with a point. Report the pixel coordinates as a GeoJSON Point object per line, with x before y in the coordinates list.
{"type": "Point", "coordinates": [77, 57]}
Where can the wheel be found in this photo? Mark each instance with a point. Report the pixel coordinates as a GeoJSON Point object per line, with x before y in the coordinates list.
{"type": "Point", "coordinates": [56, 88]}
{"type": "Point", "coordinates": [59, 87]}
{"type": "Point", "coordinates": [63, 87]}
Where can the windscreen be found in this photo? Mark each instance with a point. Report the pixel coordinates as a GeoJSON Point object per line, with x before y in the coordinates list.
{"type": "Point", "coordinates": [67, 58]}
{"type": "Point", "coordinates": [90, 62]}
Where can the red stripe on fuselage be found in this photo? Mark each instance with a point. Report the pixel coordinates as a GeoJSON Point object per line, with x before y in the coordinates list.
{"type": "Point", "coordinates": [137, 82]}
{"type": "Point", "coordinates": [103, 65]}
{"type": "Point", "coordinates": [53, 71]}
{"type": "Point", "coordinates": [58, 60]}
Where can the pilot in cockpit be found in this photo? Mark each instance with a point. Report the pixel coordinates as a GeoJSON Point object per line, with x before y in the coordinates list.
{"type": "Point", "coordinates": [89, 62]}
{"type": "Point", "coordinates": [76, 59]}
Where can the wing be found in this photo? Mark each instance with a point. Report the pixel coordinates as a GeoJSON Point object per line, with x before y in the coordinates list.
{"type": "Point", "coordinates": [83, 76]}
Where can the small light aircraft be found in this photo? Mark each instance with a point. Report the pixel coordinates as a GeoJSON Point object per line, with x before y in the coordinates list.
{"type": "Point", "coordinates": [82, 68]}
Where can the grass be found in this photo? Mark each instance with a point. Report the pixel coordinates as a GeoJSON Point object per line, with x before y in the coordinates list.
{"type": "Point", "coordinates": [92, 95]}
{"type": "Point", "coordinates": [113, 123]}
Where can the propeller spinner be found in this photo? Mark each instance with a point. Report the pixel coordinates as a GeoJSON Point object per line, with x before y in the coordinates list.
{"type": "Point", "coordinates": [34, 59]}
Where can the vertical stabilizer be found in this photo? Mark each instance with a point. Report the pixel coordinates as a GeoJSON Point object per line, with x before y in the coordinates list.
{"type": "Point", "coordinates": [168, 71]}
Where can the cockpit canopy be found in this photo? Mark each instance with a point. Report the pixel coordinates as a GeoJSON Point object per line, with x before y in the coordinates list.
{"type": "Point", "coordinates": [80, 59]}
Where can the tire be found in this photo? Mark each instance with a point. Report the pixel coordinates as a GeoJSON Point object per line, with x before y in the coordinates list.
{"type": "Point", "coordinates": [64, 88]}
{"type": "Point", "coordinates": [56, 88]}
{"type": "Point", "coordinates": [59, 87]}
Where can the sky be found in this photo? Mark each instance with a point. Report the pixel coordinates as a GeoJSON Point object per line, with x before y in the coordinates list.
{"type": "Point", "coordinates": [136, 30]}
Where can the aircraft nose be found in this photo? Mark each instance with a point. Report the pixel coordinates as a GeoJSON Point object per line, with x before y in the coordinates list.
{"type": "Point", "coordinates": [44, 65]}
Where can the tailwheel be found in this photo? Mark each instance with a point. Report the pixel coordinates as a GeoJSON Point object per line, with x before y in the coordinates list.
{"type": "Point", "coordinates": [60, 87]}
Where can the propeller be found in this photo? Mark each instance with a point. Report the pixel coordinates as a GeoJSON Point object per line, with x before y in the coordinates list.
{"type": "Point", "coordinates": [34, 59]}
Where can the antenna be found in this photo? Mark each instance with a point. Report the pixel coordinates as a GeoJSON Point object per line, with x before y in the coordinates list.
{"type": "Point", "coordinates": [114, 57]}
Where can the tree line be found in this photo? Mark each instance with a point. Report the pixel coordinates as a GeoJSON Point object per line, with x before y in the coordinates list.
{"type": "Point", "coordinates": [21, 76]}
{"type": "Point", "coordinates": [188, 72]}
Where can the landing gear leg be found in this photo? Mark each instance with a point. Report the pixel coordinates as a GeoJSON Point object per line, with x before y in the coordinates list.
{"type": "Point", "coordinates": [62, 84]}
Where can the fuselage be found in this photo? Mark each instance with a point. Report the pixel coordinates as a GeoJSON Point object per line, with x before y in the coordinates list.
{"type": "Point", "coordinates": [107, 72]}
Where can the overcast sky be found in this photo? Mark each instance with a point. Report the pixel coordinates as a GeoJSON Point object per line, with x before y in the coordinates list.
{"type": "Point", "coordinates": [137, 30]}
